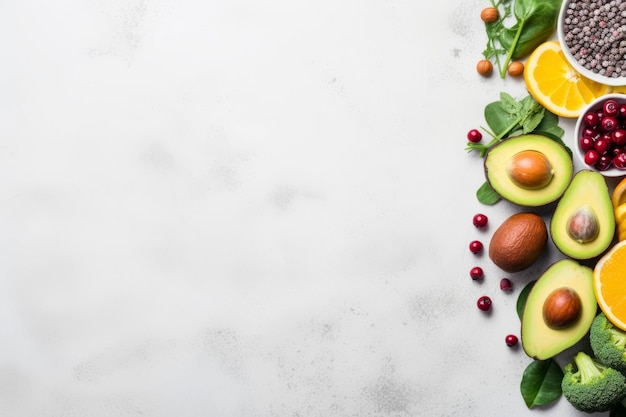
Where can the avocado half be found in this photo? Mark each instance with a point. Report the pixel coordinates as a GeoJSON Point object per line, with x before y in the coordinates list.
{"type": "Point", "coordinates": [541, 341]}
{"type": "Point", "coordinates": [557, 177]}
{"type": "Point", "coordinates": [583, 223]}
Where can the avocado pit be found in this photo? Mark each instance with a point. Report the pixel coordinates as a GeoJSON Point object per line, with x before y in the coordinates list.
{"type": "Point", "coordinates": [562, 308]}
{"type": "Point", "coordinates": [530, 169]}
{"type": "Point", "coordinates": [583, 225]}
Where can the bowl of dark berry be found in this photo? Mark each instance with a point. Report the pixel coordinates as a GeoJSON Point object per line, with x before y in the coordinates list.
{"type": "Point", "coordinates": [592, 34]}
{"type": "Point", "coordinates": [600, 134]}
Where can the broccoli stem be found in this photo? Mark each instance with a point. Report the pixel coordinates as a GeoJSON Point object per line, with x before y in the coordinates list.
{"type": "Point", "coordinates": [587, 367]}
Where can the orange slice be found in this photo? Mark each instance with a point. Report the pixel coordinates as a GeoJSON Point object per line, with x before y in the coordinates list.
{"type": "Point", "coordinates": [610, 284]}
{"type": "Point", "coordinates": [556, 85]}
{"type": "Point", "coordinates": [620, 214]}
{"type": "Point", "coordinates": [619, 194]}
{"type": "Point", "coordinates": [620, 89]}
{"type": "Point", "coordinates": [621, 231]}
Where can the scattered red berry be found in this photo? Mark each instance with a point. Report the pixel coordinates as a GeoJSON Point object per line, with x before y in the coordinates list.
{"type": "Point", "coordinates": [511, 340]}
{"type": "Point", "coordinates": [484, 303]}
{"type": "Point", "coordinates": [480, 220]}
{"type": "Point", "coordinates": [475, 246]}
{"type": "Point", "coordinates": [474, 136]}
{"type": "Point", "coordinates": [476, 273]}
{"type": "Point", "coordinates": [506, 284]}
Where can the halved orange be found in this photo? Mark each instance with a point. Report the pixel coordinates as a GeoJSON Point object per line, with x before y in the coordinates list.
{"type": "Point", "coordinates": [556, 85]}
{"type": "Point", "coordinates": [610, 284]}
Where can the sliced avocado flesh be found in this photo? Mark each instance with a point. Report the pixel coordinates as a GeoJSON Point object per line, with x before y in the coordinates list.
{"type": "Point", "coordinates": [587, 193]}
{"type": "Point", "coordinates": [539, 340]}
{"type": "Point", "coordinates": [498, 159]}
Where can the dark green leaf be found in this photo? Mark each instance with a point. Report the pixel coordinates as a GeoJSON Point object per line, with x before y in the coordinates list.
{"type": "Point", "coordinates": [487, 195]}
{"type": "Point", "coordinates": [541, 383]}
{"type": "Point", "coordinates": [509, 104]}
{"type": "Point", "coordinates": [550, 123]}
{"type": "Point", "coordinates": [522, 297]}
{"type": "Point", "coordinates": [498, 119]}
{"type": "Point", "coordinates": [536, 21]}
{"type": "Point", "coordinates": [531, 122]}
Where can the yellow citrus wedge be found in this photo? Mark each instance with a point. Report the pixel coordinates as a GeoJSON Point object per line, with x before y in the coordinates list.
{"type": "Point", "coordinates": [556, 85]}
{"type": "Point", "coordinates": [610, 284]}
{"type": "Point", "coordinates": [620, 214]}
{"type": "Point", "coordinates": [620, 89]}
{"type": "Point", "coordinates": [621, 232]}
{"type": "Point", "coordinates": [619, 194]}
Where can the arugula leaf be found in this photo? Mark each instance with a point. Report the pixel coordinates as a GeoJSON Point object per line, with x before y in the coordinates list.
{"type": "Point", "coordinates": [541, 383]}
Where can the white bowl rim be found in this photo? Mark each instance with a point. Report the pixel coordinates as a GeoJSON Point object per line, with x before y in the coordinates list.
{"type": "Point", "coordinates": [611, 172]}
{"type": "Point", "coordinates": [613, 82]}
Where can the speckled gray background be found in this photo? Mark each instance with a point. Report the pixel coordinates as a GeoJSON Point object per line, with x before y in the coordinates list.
{"type": "Point", "coordinates": [233, 208]}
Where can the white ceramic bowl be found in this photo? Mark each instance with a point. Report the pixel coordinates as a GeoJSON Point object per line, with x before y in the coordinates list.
{"type": "Point", "coordinates": [594, 76]}
{"type": "Point", "coordinates": [595, 106]}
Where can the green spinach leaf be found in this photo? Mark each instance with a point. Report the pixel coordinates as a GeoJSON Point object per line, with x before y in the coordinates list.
{"type": "Point", "coordinates": [486, 195]}
{"type": "Point", "coordinates": [541, 383]}
{"type": "Point", "coordinates": [535, 23]}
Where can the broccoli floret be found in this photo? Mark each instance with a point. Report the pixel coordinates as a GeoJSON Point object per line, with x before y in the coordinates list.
{"type": "Point", "coordinates": [608, 343]}
{"type": "Point", "coordinates": [590, 386]}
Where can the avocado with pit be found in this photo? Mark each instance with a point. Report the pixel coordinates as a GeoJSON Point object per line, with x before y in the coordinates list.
{"type": "Point", "coordinates": [583, 223]}
{"type": "Point", "coordinates": [559, 309]}
{"type": "Point", "coordinates": [529, 170]}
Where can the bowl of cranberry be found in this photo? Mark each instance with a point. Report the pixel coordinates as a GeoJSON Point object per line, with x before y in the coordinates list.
{"type": "Point", "coordinates": [601, 135]}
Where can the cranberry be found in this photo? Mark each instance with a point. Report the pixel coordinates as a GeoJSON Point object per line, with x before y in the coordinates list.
{"type": "Point", "coordinates": [601, 145]}
{"type": "Point", "coordinates": [591, 157]}
{"type": "Point", "coordinates": [622, 110]}
{"type": "Point", "coordinates": [474, 135]}
{"type": "Point", "coordinates": [610, 108]}
{"type": "Point", "coordinates": [605, 162]}
{"type": "Point", "coordinates": [475, 246]}
{"type": "Point", "coordinates": [608, 124]}
{"type": "Point", "coordinates": [511, 340]}
{"type": "Point", "coordinates": [480, 220]}
{"type": "Point", "coordinates": [484, 303]}
{"type": "Point", "coordinates": [618, 137]}
{"type": "Point", "coordinates": [619, 160]}
{"type": "Point", "coordinates": [506, 284]}
{"type": "Point", "coordinates": [591, 119]}
{"type": "Point", "coordinates": [608, 138]}
{"type": "Point", "coordinates": [476, 273]}
{"type": "Point", "coordinates": [586, 143]}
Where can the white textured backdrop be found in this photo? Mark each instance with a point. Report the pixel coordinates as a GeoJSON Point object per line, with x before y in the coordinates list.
{"type": "Point", "coordinates": [247, 209]}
